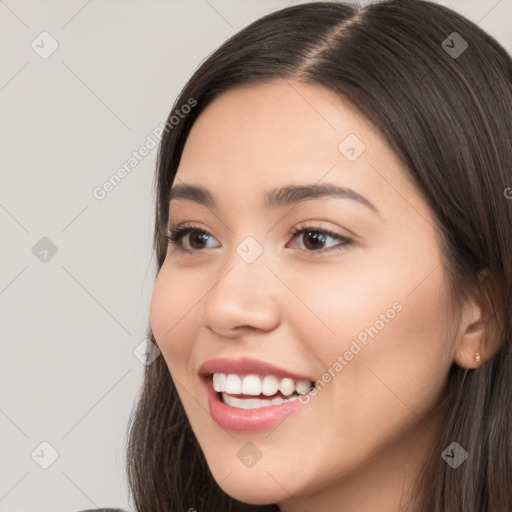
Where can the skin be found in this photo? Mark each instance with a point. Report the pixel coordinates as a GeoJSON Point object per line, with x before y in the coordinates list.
{"type": "Point", "coordinates": [359, 442]}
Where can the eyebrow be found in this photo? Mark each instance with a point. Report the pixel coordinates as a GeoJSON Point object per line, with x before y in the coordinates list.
{"type": "Point", "coordinates": [275, 198]}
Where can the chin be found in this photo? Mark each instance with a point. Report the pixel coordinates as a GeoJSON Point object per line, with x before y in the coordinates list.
{"type": "Point", "coordinates": [253, 487]}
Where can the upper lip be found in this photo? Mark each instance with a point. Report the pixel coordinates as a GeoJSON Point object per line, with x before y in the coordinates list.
{"type": "Point", "coordinates": [246, 366]}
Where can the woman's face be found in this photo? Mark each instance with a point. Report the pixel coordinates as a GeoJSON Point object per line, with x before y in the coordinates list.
{"type": "Point", "coordinates": [364, 312]}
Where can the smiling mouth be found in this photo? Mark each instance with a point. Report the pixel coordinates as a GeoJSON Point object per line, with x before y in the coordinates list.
{"type": "Point", "coordinates": [254, 391]}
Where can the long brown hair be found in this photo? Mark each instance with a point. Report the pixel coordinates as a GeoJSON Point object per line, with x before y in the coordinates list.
{"type": "Point", "coordinates": [446, 111]}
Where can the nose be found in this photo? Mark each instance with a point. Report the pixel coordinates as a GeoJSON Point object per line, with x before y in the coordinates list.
{"type": "Point", "coordinates": [242, 299]}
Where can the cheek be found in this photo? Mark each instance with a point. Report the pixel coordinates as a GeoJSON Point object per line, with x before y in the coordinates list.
{"type": "Point", "coordinates": [338, 306]}
{"type": "Point", "coordinates": [403, 349]}
{"type": "Point", "coordinates": [380, 341]}
{"type": "Point", "coordinates": [171, 315]}
{"type": "Point", "coordinates": [383, 367]}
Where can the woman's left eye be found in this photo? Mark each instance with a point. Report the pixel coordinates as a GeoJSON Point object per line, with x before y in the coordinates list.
{"type": "Point", "coordinates": [176, 236]}
{"type": "Point", "coordinates": [316, 238]}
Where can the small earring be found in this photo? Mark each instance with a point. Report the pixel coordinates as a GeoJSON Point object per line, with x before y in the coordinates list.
{"type": "Point", "coordinates": [476, 356]}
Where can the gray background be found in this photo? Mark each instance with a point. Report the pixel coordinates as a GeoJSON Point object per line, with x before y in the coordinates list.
{"type": "Point", "coordinates": [72, 320]}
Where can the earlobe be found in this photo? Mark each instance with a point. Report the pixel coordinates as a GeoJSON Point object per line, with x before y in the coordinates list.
{"type": "Point", "coordinates": [475, 331]}
{"type": "Point", "coordinates": [470, 349]}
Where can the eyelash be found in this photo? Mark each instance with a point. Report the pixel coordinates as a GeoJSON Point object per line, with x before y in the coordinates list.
{"type": "Point", "coordinates": [176, 235]}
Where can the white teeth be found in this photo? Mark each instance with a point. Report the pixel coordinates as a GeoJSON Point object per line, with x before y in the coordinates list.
{"type": "Point", "coordinates": [269, 385]}
{"type": "Point", "coordinates": [222, 380]}
{"type": "Point", "coordinates": [254, 403]}
{"type": "Point", "coordinates": [287, 386]}
{"type": "Point", "coordinates": [251, 385]}
{"type": "Point", "coordinates": [233, 384]}
{"type": "Point", "coordinates": [216, 378]}
{"type": "Point", "coordinates": [302, 386]}
{"type": "Point", "coordinates": [219, 381]}
{"type": "Point", "coordinates": [254, 385]}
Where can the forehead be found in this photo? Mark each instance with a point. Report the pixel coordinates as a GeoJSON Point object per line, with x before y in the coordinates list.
{"type": "Point", "coordinates": [296, 120]}
{"type": "Point", "coordinates": [266, 136]}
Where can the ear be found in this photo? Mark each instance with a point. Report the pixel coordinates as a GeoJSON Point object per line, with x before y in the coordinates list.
{"type": "Point", "coordinates": [477, 333]}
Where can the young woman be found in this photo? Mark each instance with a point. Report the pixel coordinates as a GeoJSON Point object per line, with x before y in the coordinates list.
{"type": "Point", "coordinates": [334, 242]}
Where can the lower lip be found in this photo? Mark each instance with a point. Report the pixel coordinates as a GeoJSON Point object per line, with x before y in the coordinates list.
{"type": "Point", "coordinates": [247, 420]}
